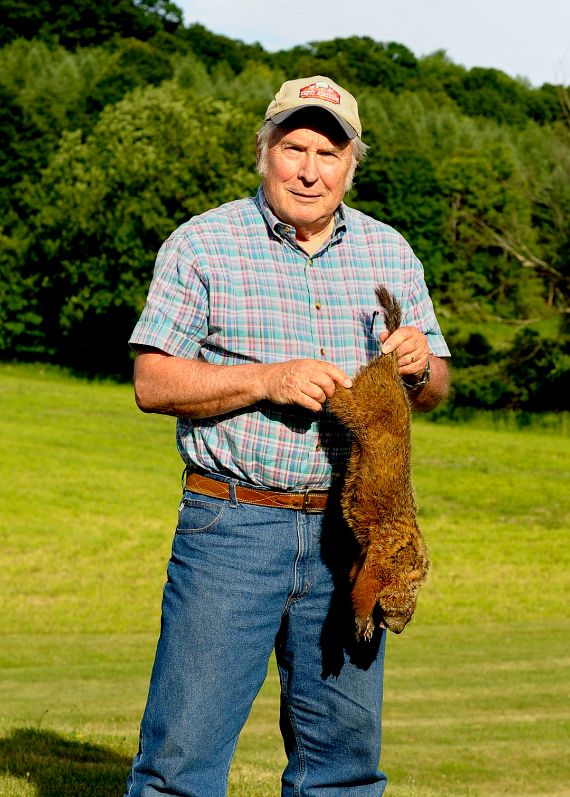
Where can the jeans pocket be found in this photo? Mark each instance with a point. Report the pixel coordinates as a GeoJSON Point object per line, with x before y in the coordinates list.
{"type": "Point", "coordinates": [199, 514]}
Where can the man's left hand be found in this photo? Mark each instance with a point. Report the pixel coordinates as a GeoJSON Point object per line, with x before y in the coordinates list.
{"type": "Point", "coordinates": [412, 349]}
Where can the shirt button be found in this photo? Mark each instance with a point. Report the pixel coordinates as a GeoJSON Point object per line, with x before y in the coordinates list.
{"type": "Point", "coordinates": [318, 305]}
{"type": "Point", "coordinates": [317, 447]}
{"type": "Point", "coordinates": [310, 261]}
{"type": "Point", "coordinates": [323, 350]}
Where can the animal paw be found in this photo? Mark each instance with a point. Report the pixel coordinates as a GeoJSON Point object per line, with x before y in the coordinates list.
{"type": "Point", "coordinates": [364, 628]}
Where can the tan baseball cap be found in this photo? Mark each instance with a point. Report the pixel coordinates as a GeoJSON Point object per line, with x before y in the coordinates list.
{"type": "Point", "coordinates": [316, 92]}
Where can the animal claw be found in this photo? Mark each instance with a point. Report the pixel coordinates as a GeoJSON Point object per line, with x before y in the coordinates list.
{"type": "Point", "coordinates": [364, 628]}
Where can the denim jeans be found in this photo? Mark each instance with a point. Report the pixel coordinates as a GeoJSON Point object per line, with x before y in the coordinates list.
{"type": "Point", "coordinates": [244, 580]}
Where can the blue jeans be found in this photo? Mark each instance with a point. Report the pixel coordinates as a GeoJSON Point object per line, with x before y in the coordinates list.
{"type": "Point", "coordinates": [243, 580]}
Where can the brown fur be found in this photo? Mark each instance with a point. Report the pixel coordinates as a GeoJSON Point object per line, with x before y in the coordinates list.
{"type": "Point", "coordinates": [378, 499]}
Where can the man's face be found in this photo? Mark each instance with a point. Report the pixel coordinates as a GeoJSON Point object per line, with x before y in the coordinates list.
{"type": "Point", "coordinates": [304, 177]}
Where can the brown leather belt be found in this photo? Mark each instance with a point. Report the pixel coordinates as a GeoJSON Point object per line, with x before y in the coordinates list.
{"type": "Point", "coordinates": [309, 501]}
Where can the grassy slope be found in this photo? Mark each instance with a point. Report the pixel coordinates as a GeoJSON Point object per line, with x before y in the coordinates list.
{"type": "Point", "coordinates": [476, 688]}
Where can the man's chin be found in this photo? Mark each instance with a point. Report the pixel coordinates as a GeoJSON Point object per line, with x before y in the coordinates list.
{"type": "Point", "coordinates": [307, 220]}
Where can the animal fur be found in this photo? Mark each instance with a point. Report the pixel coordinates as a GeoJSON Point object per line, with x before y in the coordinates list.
{"type": "Point", "coordinates": [377, 498]}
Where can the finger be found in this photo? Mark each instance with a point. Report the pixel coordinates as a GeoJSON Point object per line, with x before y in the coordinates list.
{"type": "Point", "coordinates": [312, 388]}
{"type": "Point", "coordinates": [339, 377]}
{"type": "Point", "coordinates": [317, 392]}
{"type": "Point", "coordinates": [416, 369]}
{"type": "Point", "coordinates": [321, 388]}
{"type": "Point", "coordinates": [410, 337]}
{"type": "Point", "coordinates": [305, 393]}
{"type": "Point", "coordinates": [394, 341]}
{"type": "Point", "coordinates": [414, 360]}
{"type": "Point", "coordinates": [307, 403]}
{"type": "Point", "coordinates": [328, 387]}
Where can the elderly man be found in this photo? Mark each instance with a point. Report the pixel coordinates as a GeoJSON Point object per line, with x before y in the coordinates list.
{"type": "Point", "coordinates": [257, 310]}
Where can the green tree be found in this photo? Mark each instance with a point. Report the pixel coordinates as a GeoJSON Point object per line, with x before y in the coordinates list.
{"type": "Point", "coordinates": [105, 204]}
{"type": "Point", "coordinates": [353, 61]}
{"type": "Point", "coordinates": [104, 148]}
{"type": "Point", "coordinates": [211, 48]}
{"type": "Point", "coordinates": [86, 22]}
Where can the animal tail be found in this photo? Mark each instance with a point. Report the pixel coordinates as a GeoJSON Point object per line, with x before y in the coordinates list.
{"type": "Point", "coordinates": [391, 308]}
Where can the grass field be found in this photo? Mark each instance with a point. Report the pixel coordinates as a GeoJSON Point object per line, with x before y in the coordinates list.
{"type": "Point", "coordinates": [477, 697]}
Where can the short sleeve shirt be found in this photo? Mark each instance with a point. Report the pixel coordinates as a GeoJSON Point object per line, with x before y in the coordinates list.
{"type": "Point", "coordinates": [231, 286]}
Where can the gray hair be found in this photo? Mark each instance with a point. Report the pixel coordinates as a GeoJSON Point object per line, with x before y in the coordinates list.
{"type": "Point", "coordinates": [267, 131]}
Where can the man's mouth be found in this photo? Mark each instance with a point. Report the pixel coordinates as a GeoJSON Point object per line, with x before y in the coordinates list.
{"type": "Point", "coordinates": [300, 195]}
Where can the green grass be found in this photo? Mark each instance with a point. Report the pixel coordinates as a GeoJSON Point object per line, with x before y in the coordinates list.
{"type": "Point", "coordinates": [476, 700]}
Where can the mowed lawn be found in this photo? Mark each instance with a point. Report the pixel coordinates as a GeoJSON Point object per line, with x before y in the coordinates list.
{"type": "Point", "coordinates": [477, 698]}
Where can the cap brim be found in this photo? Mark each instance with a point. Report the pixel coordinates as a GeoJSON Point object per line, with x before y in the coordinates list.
{"type": "Point", "coordinates": [281, 117]}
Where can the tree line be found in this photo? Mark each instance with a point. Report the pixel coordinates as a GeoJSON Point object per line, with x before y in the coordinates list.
{"type": "Point", "coordinates": [118, 122]}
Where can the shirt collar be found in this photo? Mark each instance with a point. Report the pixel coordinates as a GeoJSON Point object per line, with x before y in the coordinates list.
{"type": "Point", "coordinates": [284, 231]}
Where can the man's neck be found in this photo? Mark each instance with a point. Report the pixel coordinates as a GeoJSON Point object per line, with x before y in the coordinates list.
{"type": "Point", "coordinates": [311, 241]}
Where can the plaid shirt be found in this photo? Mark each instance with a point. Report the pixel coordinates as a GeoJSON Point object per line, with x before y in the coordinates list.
{"type": "Point", "coordinates": [232, 286]}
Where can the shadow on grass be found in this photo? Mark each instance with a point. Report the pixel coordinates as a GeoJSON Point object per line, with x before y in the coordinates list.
{"type": "Point", "coordinates": [61, 767]}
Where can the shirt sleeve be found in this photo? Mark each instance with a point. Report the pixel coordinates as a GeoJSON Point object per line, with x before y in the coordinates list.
{"type": "Point", "coordinates": [175, 316]}
{"type": "Point", "coordinates": [418, 310]}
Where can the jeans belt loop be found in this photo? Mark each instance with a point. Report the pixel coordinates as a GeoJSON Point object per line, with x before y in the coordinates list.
{"type": "Point", "coordinates": [233, 500]}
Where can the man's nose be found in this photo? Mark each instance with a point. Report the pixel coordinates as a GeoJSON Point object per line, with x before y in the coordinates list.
{"type": "Point", "coordinates": [309, 171]}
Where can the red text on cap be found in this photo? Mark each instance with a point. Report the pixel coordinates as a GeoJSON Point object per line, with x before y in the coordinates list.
{"type": "Point", "coordinates": [320, 91]}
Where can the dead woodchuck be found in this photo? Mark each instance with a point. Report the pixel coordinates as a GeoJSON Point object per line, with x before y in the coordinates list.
{"type": "Point", "coordinates": [377, 497]}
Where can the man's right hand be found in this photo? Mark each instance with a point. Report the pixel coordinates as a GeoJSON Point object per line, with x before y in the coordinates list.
{"type": "Point", "coordinates": [307, 383]}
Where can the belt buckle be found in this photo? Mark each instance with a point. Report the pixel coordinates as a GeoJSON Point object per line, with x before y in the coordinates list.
{"type": "Point", "coordinates": [306, 508]}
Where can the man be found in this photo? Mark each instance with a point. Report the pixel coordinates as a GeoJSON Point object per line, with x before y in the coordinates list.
{"type": "Point", "coordinates": [258, 309]}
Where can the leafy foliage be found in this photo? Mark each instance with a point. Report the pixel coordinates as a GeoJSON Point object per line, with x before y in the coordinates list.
{"type": "Point", "coordinates": [152, 161]}
{"type": "Point", "coordinates": [118, 123]}
{"type": "Point", "coordinates": [532, 374]}
{"type": "Point", "coordinates": [85, 22]}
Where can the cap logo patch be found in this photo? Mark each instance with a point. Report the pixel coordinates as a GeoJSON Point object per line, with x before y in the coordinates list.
{"type": "Point", "coordinates": [320, 90]}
